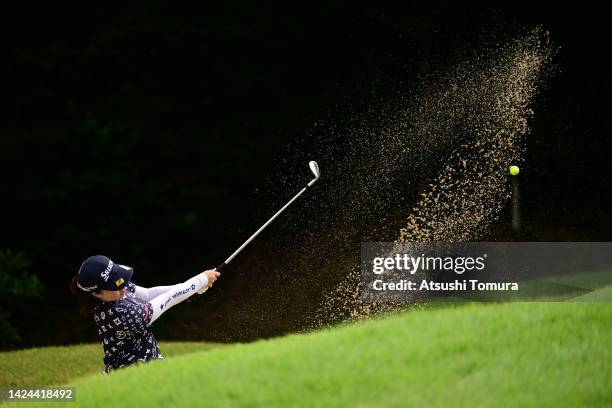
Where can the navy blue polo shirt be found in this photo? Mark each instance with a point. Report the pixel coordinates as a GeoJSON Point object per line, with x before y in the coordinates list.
{"type": "Point", "coordinates": [123, 327]}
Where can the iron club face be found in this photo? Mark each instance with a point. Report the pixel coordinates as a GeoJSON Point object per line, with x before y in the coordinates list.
{"type": "Point", "coordinates": [314, 167]}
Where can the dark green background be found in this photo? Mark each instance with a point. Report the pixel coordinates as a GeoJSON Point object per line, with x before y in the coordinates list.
{"type": "Point", "coordinates": [156, 134]}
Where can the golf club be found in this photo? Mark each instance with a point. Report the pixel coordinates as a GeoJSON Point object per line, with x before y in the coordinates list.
{"type": "Point", "coordinates": [314, 167]}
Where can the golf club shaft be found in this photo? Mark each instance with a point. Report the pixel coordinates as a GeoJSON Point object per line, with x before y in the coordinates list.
{"type": "Point", "coordinates": [228, 260]}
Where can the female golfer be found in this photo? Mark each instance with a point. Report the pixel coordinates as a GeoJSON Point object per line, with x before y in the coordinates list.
{"type": "Point", "coordinates": [124, 312]}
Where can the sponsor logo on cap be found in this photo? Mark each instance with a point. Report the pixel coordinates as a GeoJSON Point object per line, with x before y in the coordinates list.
{"type": "Point", "coordinates": [106, 272]}
{"type": "Point", "coordinates": [119, 281]}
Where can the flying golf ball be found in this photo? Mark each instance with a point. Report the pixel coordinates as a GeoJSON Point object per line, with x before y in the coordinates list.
{"type": "Point", "coordinates": [514, 170]}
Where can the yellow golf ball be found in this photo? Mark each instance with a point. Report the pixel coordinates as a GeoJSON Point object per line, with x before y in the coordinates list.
{"type": "Point", "coordinates": [514, 170]}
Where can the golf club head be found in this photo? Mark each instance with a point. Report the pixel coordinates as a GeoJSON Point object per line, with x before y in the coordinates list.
{"type": "Point", "coordinates": [314, 167]}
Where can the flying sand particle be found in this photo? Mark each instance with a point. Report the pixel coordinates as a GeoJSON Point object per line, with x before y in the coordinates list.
{"type": "Point", "coordinates": [484, 106]}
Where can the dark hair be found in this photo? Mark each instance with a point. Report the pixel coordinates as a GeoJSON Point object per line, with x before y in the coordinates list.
{"type": "Point", "coordinates": [87, 301]}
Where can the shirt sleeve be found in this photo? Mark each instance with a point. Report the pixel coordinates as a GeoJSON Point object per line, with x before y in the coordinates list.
{"type": "Point", "coordinates": [147, 294]}
{"type": "Point", "coordinates": [176, 295]}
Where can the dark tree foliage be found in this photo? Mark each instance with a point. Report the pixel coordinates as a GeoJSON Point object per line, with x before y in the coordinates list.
{"type": "Point", "coordinates": [20, 298]}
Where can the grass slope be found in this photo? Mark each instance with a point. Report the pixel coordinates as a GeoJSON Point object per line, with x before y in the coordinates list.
{"type": "Point", "coordinates": [58, 365]}
{"type": "Point", "coordinates": [600, 295]}
{"type": "Point", "coordinates": [553, 288]}
{"type": "Point", "coordinates": [511, 354]}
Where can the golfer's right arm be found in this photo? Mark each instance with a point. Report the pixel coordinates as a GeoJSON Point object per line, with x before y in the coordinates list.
{"type": "Point", "coordinates": [180, 292]}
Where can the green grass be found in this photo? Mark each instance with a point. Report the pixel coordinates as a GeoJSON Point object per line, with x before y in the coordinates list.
{"type": "Point", "coordinates": [600, 295]}
{"type": "Point", "coordinates": [507, 354]}
{"type": "Point", "coordinates": [58, 365]}
{"type": "Point", "coordinates": [581, 286]}
{"type": "Point", "coordinates": [586, 280]}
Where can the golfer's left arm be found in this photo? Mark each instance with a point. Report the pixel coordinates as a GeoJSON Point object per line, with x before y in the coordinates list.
{"type": "Point", "coordinates": [147, 294]}
{"type": "Point", "coordinates": [178, 293]}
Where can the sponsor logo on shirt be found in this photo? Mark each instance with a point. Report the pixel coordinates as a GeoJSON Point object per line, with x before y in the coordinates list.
{"type": "Point", "coordinates": [182, 292]}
